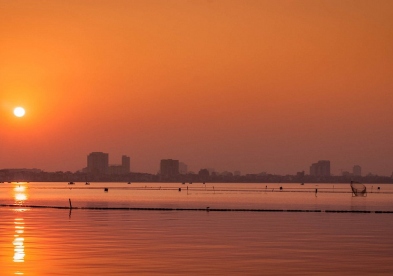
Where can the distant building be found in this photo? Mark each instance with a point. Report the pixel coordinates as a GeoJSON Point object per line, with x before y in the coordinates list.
{"type": "Point", "coordinates": [124, 168]}
{"type": "Point", "coordinates": [346, 173]}
{"type": "Point", "coordinates": [357, 170]}
{"type": "Point", "coordinates": [97, 163]}
{"type": "Point", "coordinates": [226, 173]}
{"type": "Point", "coordinates": [321, 168]}
{"type": "Point", "coordinates": [169, 169]}
{"type": "Point", "coordinates": [115, 169]}
{"type": "Point", "coordinates": [300, 174]}
{"type": "Point", "coordinates": [126, 164]}
{"type": "Point", "coordinates": [183, 168]}
{"type": "Point", "coordinates": [203, 174]}
{"type": "Point", "coordinates": [211, 171]}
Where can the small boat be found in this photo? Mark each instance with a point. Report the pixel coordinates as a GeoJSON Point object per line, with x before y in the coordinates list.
{"type": "Point", "coordinates": [87, 183]}
{"type": "Point", "coordinates": [71, 183]}
{"type": "Point", "coordinates": [129, 183]}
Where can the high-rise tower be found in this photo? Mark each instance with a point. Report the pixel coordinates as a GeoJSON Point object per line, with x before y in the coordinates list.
{"type": "Point", "coordinates": [98, 163]}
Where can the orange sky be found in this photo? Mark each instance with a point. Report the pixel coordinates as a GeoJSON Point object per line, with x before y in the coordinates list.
{"type": "Point", "coordinates": [232, 85]}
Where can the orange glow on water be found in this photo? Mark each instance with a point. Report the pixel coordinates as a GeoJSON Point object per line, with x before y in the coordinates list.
{"type": "Point", "coordinates": [20, 194]}
{"type": "Point", "coordinates": [19, 241]}
{"type": "Point", "coordinates": [19, 247]}
{"type": "Point", "coordinates": [19, 198]}
{"type": "Point", "coordinates": [20, 188]}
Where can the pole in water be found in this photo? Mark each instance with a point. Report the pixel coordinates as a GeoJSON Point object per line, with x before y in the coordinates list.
{"type": "Point", "coordinates": [70, 203]}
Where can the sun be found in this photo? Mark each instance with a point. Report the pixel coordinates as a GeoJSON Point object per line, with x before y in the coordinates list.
{"type": "Point", "coordinates": [19, 111]}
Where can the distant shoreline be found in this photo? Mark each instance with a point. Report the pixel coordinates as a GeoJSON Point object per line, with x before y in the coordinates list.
{"type": "Point", "coordinates": [35, 175]}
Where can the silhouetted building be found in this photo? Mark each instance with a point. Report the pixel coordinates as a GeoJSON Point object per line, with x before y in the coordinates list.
{"type": "Point", "coordinates": [203, 175]}
{"type": "Point", "coordinates": [226, 173]}
{"type": "Point", "coordinates": [126, 164]}
{"type": "Point", "coordinates": [182, 168]}
{"type": "Point", "coordinates": [321, 168]}
{"type": "Point", "coordinates": [346, 173]}
{"type": "Point", "coordinates": [300, 174]}
{"type": "Point", "coordinates": [357, 170]}
{"type": "Point", "coordinates": [97, 163]}
{"type": "Point", "coordinates": [211, 170]}
{"type": "Point", "coordinates": [124, 168]}
{"type": "Point", "coordinates": [169, 169]}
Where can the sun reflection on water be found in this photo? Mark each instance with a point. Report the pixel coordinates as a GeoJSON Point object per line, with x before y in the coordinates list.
{"type": "Point", "coordinates": [19, 246]}
{"type": "Point", "coordinates": [20, 196]}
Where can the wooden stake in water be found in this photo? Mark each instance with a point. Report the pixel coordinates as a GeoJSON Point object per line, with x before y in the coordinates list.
{"type": "Point", "coordinates": [70, 203]}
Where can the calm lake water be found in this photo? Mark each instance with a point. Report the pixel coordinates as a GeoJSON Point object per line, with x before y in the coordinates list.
{"type": "Point", "coordinates": [178, 235]}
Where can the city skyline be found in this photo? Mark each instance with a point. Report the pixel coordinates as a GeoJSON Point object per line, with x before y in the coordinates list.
{"type": "Point", "coordinates": [244, 86]}
{"type": "Point", "coordinates": [98, 163]}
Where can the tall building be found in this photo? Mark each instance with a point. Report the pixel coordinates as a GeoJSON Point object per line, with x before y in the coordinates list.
{"type": "Point", "coordinates": [98, 163]}
{"type": "Point", "coordinates": [357, 170]}
{"type": "Point", "coordinates": [169, 168]}
{"type": "Point", "coordinates": [321, 168]}
{"type": "Point", "coordinates": [126, 164]}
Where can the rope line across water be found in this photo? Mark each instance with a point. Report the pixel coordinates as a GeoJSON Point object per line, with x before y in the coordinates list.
{"type": "Point", "coordinates": [196, 209]}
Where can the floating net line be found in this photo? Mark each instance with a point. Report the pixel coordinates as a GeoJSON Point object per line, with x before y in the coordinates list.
{"type": "Point", "coordinates": [207, 209]}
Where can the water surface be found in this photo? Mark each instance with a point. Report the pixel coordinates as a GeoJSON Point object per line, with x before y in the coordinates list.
{"type": "Point", "coordinates": [47, 241]}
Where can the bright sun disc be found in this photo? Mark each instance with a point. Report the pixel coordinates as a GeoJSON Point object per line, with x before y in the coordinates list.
{"type": "Point", "coordinates": [19, 111]}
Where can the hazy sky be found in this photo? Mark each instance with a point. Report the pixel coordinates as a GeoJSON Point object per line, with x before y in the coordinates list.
{"type": "Point", "coordinates": [232, 85]}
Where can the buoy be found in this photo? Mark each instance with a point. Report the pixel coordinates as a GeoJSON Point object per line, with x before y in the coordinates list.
{"type": "Point", "coordinates": [179, 189]}
{"type": "Point", "coordinates": [105, 189]}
